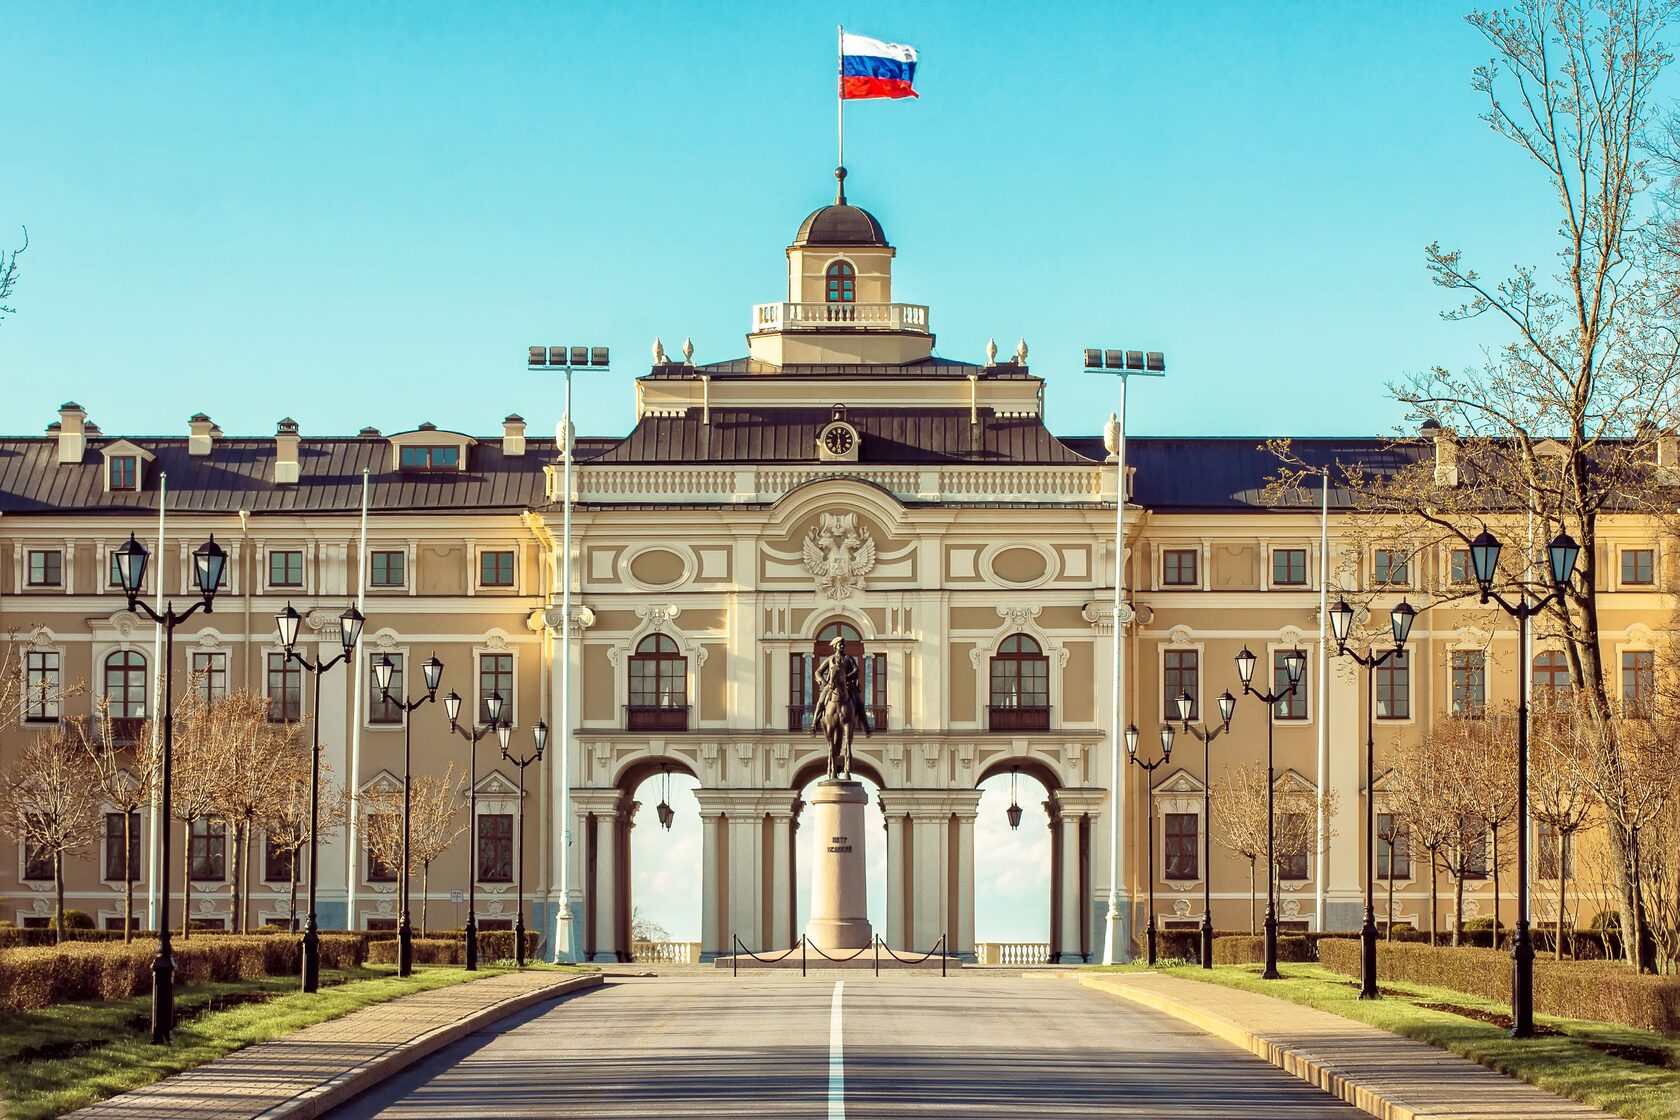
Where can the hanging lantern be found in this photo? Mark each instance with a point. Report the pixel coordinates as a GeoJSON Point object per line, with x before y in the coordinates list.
{"type": "Point", "coordinates": [1014, 810]}
{"type": "Point", "coordinates": [666, 814]}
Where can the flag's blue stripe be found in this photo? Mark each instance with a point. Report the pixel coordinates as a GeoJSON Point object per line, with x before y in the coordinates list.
{"type": "Point", "coordinates": [874, 66]}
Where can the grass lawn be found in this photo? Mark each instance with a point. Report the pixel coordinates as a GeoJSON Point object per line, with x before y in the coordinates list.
{"type": "Point", "coordinates": [60, 1058]}
{"type": "Point", "coordinates": [1584, 1061]}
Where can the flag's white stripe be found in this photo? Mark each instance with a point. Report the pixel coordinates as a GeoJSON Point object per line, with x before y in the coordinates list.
{"type": "Point", "coordinates": [836, 1060]}
{"type": "Point", "coordinates": [862, 44]}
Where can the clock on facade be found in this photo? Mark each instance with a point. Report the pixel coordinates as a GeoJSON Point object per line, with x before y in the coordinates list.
{"type": "Point", "coordinates": [838, 441]}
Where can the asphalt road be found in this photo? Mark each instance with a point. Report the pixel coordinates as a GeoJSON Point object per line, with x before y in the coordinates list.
{"type": "Point", "coordinates": [703, 1045]}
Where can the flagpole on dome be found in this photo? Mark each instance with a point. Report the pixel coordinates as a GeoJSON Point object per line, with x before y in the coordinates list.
{"type": "Point", "coordinates": [840, 91]}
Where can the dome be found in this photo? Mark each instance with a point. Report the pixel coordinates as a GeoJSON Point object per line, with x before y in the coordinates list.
{"type": "Point", "coordinates": [840, 224]}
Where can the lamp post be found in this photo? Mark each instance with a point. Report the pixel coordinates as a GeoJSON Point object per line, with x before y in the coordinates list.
{"type": "Point", "coordinates": [452, 709]}
{"type": "Point", "coordinates": [432, 668]}
{"type": "Point", "coordinates": [349, 633]}
{"type": "Point", "coordinates": [1227, 708]}
{"type": "Point", "coordinates": [1561, 555]}
{"type": "Point", "coordinates": [1400, 625]}
{"type": "Point", "coordinates": [209, 562]}
{"type": "Point", "coordinates": [1013, 813]}
{"type": "Point", "coordinates": [504, 732]}
{"type": "Point", "coordinates": [567, 360]}
{"type": "Point", "coordinates": [1148, 769]}
{"type": "Point", "coordinates": [1294, 664]}
{"type": "Point", "coordinates": [1121, 364]}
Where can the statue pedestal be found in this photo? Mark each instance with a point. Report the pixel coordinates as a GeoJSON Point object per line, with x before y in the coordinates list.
{"type": "Point", "coordinates": [839, 899]}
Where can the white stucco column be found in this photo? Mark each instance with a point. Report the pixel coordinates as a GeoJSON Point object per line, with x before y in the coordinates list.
{"type": "Point", "coordinates": [1344, 894]}
{"type": "Point", "coordinates": [712, 913]}
{"type": "Point", "coordinates": [897, 927]}
{"type": "Point", "coordinates": [745, 877]}
{"type": "Point", "coordinates": [929, 883]}
{"type": "Point", "coordinates": [781, 878]}
{"type": "Point", "coordinates": [962, 937]}
{"type": "Point", "coordinates": [604, 906]}
{"type": "Point", "coordinates": [1066, 827]}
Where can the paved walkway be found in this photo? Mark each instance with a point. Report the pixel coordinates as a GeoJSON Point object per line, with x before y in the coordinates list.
{"type": "Point", "coordinates": [1380, 1073]}
{"type": "Point", "coordinates": [306, 1073]}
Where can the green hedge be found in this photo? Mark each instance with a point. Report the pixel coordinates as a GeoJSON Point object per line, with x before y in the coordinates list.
{"type": "Point", "coordinates": [1246, 949]}
{"type": "Point", "coordinates": [1594, 990]}
{"type": "Point", "coordinates": [36, 977]}
{"type": "Point", "coordinates": [493, 945]}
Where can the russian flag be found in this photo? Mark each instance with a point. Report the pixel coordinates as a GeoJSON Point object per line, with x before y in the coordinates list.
{"type": "Point", "coordinates": [871, 68]}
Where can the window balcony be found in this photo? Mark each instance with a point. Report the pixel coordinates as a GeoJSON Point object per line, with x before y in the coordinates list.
{"type": "Point", "coordinates": [801, 715]}
{"type": "Point", "coordinates": [656, 717]}
{"type": "Point", "coordinates": [1016, 718]}
{"type": "Point", "coordinates": [911, 317]}
{"type": "Point", "coordinates": [125, 730]}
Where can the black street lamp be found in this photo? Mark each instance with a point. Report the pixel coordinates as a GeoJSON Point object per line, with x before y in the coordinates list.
{"type": "Point", "coordinates": [349, 633]}
{"type": "Point", "coordinates": [667, 815]}
{"type": "Point", "coordinates": [1561, 555]}
{"type": "Point", "coordinates": [1227, 708]}
{"type": "Point", "coordinates": [1400, 625]}
{"type": "Point", "coordinates": [1014, 810]}
{"type": "Point", "coordinates": [1148, 769]}
{"type": "Point", "coordinates": [432, 669]}
{"type": "Point", "coordinates": [540, 734]}
{"type": "Point", "coordinates": [1294, 664]}
{"type": "Point", "coordinates": [452, 709]}
{"type": "Point", "coordinates": [209, 562]}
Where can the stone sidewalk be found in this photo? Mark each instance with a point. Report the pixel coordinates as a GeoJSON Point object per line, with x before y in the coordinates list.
{"type": "Point", "coordinates": [318, 1068]}
{"type": "Point", "coordinates": [1377, 1072]}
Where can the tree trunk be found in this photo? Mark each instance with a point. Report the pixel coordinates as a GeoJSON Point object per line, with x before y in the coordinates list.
{"type": "Point", "coordinates": [1252, 895]}
{"type": "Point", "coordinates": [128, 882]}
{"type": "Point", "coordinates": [291, 906]}
{"type": "Point", "coordinates": [1434, 892]}
{"type": "Point", "coordinates": [1563, 885]}
{"type": "Point", "coordinates": [58, 891]}
{"type": "Point", "coordinates": [1458, 910]}
{"type": "Point", "coordinates": [425, 893]}
{"type": "Point", "coordinates": [236, 921]}
{"type": "Point", "coordinates": [1493, 859]}
{"type": "Point", "coordinates": [1388, 934]}
{"type": "Point", "coordinates": [186, 882]}
{"type": "Point", "coordinates": [1641, 945]}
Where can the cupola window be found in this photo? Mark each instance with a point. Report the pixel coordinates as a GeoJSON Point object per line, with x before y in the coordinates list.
{"type": "Point", "coordinates": [842, 279]}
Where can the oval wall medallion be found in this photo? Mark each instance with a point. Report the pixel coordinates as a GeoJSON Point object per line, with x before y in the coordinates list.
{"type": "Point", "coordinates": [1018, 565]}
{"type": "Point", "coordinates": [658, 567]}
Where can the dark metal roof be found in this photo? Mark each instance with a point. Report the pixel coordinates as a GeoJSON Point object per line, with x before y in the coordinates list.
{"type": "Point", "coordinates": [890, 437]}
{"type": "Point", "coordinates": [840, 225]}
{"type": "Point", "coordinates": [926, 367]}
{"type": "Point", "coordinates": [1229, 473]}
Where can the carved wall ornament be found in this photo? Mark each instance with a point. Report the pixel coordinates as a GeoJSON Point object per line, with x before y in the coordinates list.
{"type": "Point", "coordinates": [1290, 635]}
{"type": "Point", "coordinates": [1181, 907]}
{"type": "Point", "coordinates": [1180, 636]}
{"type": "Point", "coordinates": [839, 553]}
{"type": "Point", "coordinates": [582, 619]}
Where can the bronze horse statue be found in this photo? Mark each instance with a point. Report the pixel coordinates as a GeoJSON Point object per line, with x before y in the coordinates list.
{"type": "Point", "coordinates": [839, 709]}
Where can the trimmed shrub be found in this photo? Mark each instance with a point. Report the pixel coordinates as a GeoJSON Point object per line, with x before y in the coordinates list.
{"type": "Point", "coordinates": [427, 950]}
{"type": "Point", "coordinates": [73, 919]}
{"type": "Point", "coordinates": [497, 945]}
{"type": "Point", "coordinates": [1292, 948]}
{"type": "Point", "coordinates": [343, 950]}
{"type": "Point", "coordinates": [1594, 990]}
{"type": "Point", "coordinates": [1185, 944]}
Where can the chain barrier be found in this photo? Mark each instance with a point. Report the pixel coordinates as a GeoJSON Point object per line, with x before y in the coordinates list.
{"type": "Point", "coordinates": [938, 950]}
{"type": "Point", "coordinates": [804, 947]}
{"type": "Point", "coordinates": [735, 957]}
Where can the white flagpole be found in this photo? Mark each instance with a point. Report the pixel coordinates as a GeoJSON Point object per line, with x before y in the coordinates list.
{"type": "Point", "coordinates": [350, 858]}
{"type": "Point", "coordinates": [840, 91]}
{"type": "Point", "coordinates": [159, 811]}
{"type": "Point", "coordinates": [563, 915]}
{"type": "Point", "coordinates": [1322, 871]}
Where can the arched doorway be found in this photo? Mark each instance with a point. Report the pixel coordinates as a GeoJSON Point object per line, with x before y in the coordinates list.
{"type": "Point", "coordinates": [665, 880]}
{"type": "Point", "coordinates": [1013, 896]}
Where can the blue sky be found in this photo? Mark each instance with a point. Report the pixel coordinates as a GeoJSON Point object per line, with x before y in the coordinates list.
{"type": "Point", "coordinates": [363, 214]}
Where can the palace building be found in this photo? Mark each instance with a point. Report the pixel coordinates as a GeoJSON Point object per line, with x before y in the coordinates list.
{"type": "Point", "coordinates": [839, 478]}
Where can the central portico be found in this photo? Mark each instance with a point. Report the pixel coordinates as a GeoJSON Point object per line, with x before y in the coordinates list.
{"type": "Point", "coordinates": [838, 480]}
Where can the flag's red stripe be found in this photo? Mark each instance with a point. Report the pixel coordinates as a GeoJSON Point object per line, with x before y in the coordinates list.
{"type": "Point", "coordinates": [857, 88]}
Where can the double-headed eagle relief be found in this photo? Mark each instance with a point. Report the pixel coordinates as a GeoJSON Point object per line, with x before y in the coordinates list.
{"type": "Point", "coordinates": [840, 553]}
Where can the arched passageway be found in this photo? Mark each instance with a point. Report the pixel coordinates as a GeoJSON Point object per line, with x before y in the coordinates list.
{"type": "Point", "coordinates": [665, 868]}
{"type": "Point", "coordinates": [1012, 866]}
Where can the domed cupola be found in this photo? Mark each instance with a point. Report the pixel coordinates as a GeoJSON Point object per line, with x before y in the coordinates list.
{"type": "Point", "coordinates": [840, 225]}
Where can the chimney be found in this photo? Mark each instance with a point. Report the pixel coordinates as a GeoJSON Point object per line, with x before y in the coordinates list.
{"type": "Point", "coordinates": [202, 433]}
{"type": "Point", "coordinates": [1446, 452]}
{"type": "Point", "coordinates": [286, 453]}
{"type": "Point", "coordinates": [72, 432]}
{"type": "Point", "coordinates": [513, 435]}
{"type": "Point", "coordinates": [1668, 458]}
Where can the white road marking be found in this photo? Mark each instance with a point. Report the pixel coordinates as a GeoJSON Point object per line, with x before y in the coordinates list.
{"type": "Point", "coordinates": [836, 1061]}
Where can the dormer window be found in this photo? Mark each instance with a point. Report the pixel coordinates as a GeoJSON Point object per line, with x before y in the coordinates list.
{"type": "Point", "coordinates": [125, 472]}
{"type": "Point", "coordinates": [842, 282]}
{"type": "Point", "coordinates": [430, 458]}
{"type": "Point", "coordinates": [124, 463]}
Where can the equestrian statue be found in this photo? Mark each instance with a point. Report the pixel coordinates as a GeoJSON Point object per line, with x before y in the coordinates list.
{"type": "Point", "coordinates": [840, 709]}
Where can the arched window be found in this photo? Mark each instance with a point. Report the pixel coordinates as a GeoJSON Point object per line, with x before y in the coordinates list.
{"type": "Point", "coordinates": [658, 686]}
{"type": "Point", "coordinates": [842, 287]}
{"type": "Point", "coordinates": [125, 684]}
{"type": "Point", "coordinates": [1020, 686]}
{"type": "Point", "coordinates": [802, 686]}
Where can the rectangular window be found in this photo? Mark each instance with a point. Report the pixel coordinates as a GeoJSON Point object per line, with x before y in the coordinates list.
{"type": "Point", "coordinates": [1292, 864]}
{"type": "Point", "coordinates": [430, 458]}
{"type": "Point", "coordinates": [116, 856]}
{"type": "Point", "coordinates": [378, 871]}
{"type": "Point", "coordinates": [495, 674]}
{"type": "Point", "coordinates": [210, 675]}
{"type": "Point", "coordinates": [285, 689]}
{"type": "Point", "coordinates": [1183, 848]}
{"type": "Point", "coordinates": [380, 709]}
{"type": "Point", "coordinates": [1393, 568]}
{"type": "Point", "coordinates": [1293, 706]}
{"type": "Point", "coordinates": [495, 568]}
{"type": "Point", "coordinates": [1178, 676]}
{"type": "Point", "coordinates": [285, 567]}
{"type": "Point", "coordinates": [37, 863]}
{"type": "Point", "coordinates": [495, 847]}
{"type": "Point", "coordinates": [1289, 567]}
{"type": "Point", "coordinates": [1639, 567]}
{"type": "Point", "coordinates": [1394, 848]}
{"type": "Point", "coordinates": [1473, 840]}
{"type": "Point", "coordinates": [207, 856]}
{"type": "Point", "coordinates": [41, 686]}
{"type": "Point", "coordinates": [46, 568]}
{"type": "Point", "coordinates": [1178, 567]}
{"type": "Point", "coordinates": [277, 862]}
{"type": "Point", "coordinates": [1459, 571]}
{"type": "Point", "coordinates": [1394, 687]}
{"type": "Point", "coordinates": [1546, 852]}
{"type": "Point", "coordinates": [1469, 682]}
{"type": "Point", "coordinates": [387, 568]}
{"type": "Point", "coordinates": [125, 472]}
{"type": "Point", "coordinates": [1639, 682]}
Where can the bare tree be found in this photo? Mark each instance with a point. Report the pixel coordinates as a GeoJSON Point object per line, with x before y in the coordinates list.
{"type": "Point", "coordinates": [250, 777]}
{"type": "Point", "coordinates": [286, 820]}
{"type": "Point", "coordinates": [1564, 423]}
{"type": "Point", "coordinates": [1393, 834]}
{"type": "Point", "coordinates": [9, 273]}
{"type": "Point", "coordinates": [125, 776]}
{"type": "Point", "coordinates": [436, 820]}
{"type": "Point", "coordinates": [1560, 792]}
{"type": "Point", "coordinates": [1239, 807]}
{"type": "Point", "coordinates": [48, 805]}
{"type": "Point", "coordinates": [1424, 798]}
